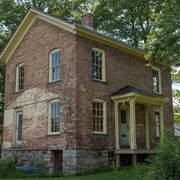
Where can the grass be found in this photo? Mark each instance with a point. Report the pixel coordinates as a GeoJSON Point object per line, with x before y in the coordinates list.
{"type": "Point", "coordinates": [138, 172]}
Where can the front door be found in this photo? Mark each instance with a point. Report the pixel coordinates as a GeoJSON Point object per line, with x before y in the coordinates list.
{"type": "Point", "coordinates": [124, 128]}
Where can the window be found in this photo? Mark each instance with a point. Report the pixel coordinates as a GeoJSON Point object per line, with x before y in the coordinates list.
{"type": "Point", "coordinates": [111, 158]}
{"type": "Point", "coordinates": [99, 116]}
{"type": "Point", "coordinates": [54, 117]}
{"type": "Point", "coordinates": [157, 121]}
{"type": "Point", "coordinates": [156, 80]}
{"type": "Point", "coordinates": [19, 118]}
{"type": "Point", "coordinates": [20, 77]}
{"type": "Point", "coordinates": [98, 65]}
{"type": "Point", "coordinates": [54, 66]}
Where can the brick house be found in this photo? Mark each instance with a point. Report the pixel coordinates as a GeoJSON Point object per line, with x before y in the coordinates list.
{"type": "Point", "coordinates": [77, 99]}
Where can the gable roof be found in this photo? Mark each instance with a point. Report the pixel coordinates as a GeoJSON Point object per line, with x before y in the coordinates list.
{"type": "Point", "coordinates": [33, 14]}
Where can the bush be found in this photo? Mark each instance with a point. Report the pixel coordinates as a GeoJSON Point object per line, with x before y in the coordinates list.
{"type": "Point", "coordinates": [7, 168]}
{"type": "Point", "coordinates": [166, 163]}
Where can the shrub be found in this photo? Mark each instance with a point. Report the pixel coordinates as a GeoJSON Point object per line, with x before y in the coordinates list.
{"type": "Point", "coordinates": [166, 164]}
{"type": "Point", "coordinates": [7, 168]}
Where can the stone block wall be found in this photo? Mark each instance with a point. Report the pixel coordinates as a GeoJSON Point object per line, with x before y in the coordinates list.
{"type": "Point", "coordinates": [73, 160]}
{"type": "Point", "coordinates": [28, 158]}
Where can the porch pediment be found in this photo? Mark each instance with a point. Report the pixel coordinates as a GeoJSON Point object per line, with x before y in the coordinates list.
{"type": "Point", "coordinates": [129, 93]}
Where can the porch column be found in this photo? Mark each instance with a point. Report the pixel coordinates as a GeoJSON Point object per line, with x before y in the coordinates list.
{"type": "Point", "coordinates": [116, 126]}
{"type": "Point", "coordinates": [147, 126]}
{"type": "Point", "coordinates": [132, 125]}
{"type": "Point", "coordinates": [161, 119]}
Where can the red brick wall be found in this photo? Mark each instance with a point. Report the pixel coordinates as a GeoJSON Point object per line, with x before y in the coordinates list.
{"type": "Point", "coordinates": [75, 90]}
{"type": "Point", "coordinates": [34, 51]}
{"type": "Point", "coordinates": [121, 70]}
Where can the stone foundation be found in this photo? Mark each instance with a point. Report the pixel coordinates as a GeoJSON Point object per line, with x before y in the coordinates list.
{"type": "Point", "coordinates": [72, 160]}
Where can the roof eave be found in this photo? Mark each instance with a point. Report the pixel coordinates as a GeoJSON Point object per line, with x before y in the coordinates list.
{"type": "Point", "coordinates": [23, 28]}
{"type": "Point", "coordinates": [140, 98]}
{"type": "Point", "coordinates": [91, 34]}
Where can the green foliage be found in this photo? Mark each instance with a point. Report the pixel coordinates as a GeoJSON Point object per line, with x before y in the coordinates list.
{"type": "Point", "coordinates": [166, 164]}
{"type": "Point", "coordinates": [126, 20]}
{"type": "Point", "coordinates": [164, 41]}
{"type": "Point", "coordinates": [93, 171]}
{"type": "Point", "coordinates": [7, 168]}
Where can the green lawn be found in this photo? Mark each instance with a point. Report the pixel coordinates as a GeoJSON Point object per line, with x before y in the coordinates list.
{"type": "Point", "coordinates": [139, 172]}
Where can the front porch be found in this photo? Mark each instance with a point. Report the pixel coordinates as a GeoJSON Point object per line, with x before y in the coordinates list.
{"type": "Point", "coordinates": [127, 119]}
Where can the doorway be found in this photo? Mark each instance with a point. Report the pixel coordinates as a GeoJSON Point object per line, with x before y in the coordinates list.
{"type": "Point", "coordinates": [124, 128]}
{"type": "Point", "coordinates": [57, 161]}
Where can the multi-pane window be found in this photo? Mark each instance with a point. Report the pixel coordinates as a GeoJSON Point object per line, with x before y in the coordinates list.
{"type": "Point", "coordinates": [111, 158]}
{"type": "Point", "coordinates": [19, 118]}
{"type": "Point", "coordinates": [98, 65]}
{"type": "Point", "coordinates": [54, 74]}
{"type": "Point", "coordinates": [20, 77]}
{"type": "Point", "coordinates": [157, 121]}
{"type": "Point", "coordinates": [54, 117]}
{"type": "Point", "coordinates": [156, 80]}
{"type": "Point", "coordinates": [99, 116]}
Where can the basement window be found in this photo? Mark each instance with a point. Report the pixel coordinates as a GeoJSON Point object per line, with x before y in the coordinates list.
{"type": "Point", "coordinates": [111, 158]}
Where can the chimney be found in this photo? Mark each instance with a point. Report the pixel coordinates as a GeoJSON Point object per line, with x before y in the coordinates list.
{"type": "Point", "coordinates": [87, 21]}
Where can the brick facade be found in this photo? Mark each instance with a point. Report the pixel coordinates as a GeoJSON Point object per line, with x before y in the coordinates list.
{"type": "Point", "coordinates": [81, 149]}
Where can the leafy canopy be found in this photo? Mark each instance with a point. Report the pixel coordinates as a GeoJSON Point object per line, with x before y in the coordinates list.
{"type": "Point", "coordinates": [163, 43]}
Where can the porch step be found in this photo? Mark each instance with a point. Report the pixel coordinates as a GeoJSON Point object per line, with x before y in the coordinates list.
{"type": "Point", "coordinates": [135, 151]}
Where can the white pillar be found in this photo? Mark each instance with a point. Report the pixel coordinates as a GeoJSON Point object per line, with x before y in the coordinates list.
{"type": "Point", "coordinates": [132, 125]}
{"type": "Point", "coordinates": [147, 126]}
{"type": "Point", "coordinates": [116, 126]}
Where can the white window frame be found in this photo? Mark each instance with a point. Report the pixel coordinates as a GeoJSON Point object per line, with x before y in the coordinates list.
{"type": "Point", "coordinates": [102, 66]}
{"type": "Point", "coordinates": [49, 117]}
{"type": "Point", "coordinates": [104, 131]}
{"type": "Point", "coordinates": [17, 128]}
{"type": "Point", "coordinates": [157, 82]}
{"type": "Point", "coordinates": [51, 67]}
{"type": "Point", "coordinates": [18, 79]}
{"type": "Point", "coordinates": [157, 116]}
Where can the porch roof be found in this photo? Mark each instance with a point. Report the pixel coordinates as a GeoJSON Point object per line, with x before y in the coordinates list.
{"type": "Point", "coordinates": [129, 92]}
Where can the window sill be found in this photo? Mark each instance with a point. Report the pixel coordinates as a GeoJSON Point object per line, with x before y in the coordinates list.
{"type": "Point", "coordinates": [53, 82]}
{"type": "Point", "coordinates": [96, 80]}
{"type": "Point", "coordinates": [16, 92]}
{"type": "Point", "coordinates": [99, 134]}
{"type": "Point", "coordinates": [49, 135]}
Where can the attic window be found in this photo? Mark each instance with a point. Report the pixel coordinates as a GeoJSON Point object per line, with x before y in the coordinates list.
{"type": "Point", "coordinates": [20, 77]}
{"type": "Point", "coordinates": [54, 66]}
{"type": "Point", "coordinates": [98, 65]}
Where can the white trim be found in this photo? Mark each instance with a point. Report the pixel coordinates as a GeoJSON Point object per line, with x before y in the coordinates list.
{"type": "Point", "coordinates": [18, 112]}
{"type": "Point", "coordinates": [104, 116]}
{"type": "Point", "coordinates": [17, 82]}
{"type": "Point", "coordinates": [26, 23]}
{"type": "Point", "coordinates": [103, 64]}
{"type": "Point", "coordinates": [50, 64]}
{"type": "Point", "coordinates": [160, 85]}
{"type": "Point", "coordinates": [49, 116]}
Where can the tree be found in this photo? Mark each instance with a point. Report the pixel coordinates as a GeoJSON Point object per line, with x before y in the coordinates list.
{"type": "Point", "coordinates": [126, 20]}
{"type": "Point", "coordinates": [163, 43]}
